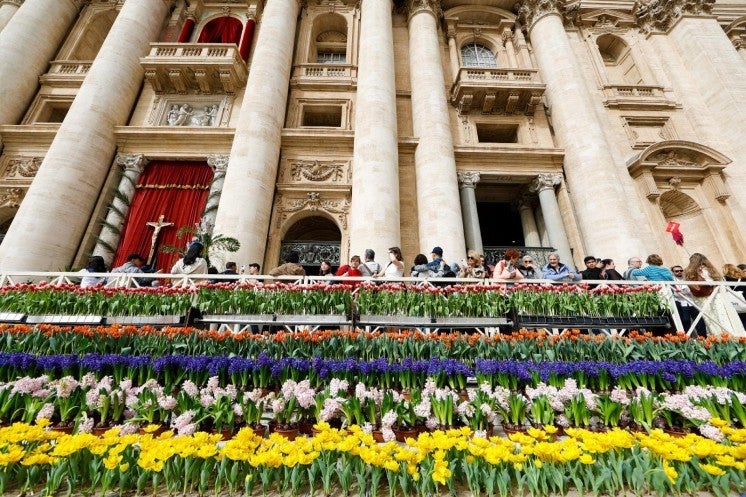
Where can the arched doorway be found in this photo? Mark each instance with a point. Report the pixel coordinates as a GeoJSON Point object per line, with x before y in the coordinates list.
{"type": "Point", "coordinates": [315, 238]}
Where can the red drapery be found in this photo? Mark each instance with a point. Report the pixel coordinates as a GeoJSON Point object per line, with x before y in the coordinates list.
{"type": "Point", "coordinates": [248, 36]}
{"type": "Point", "coordinates": [186, 31]}
{"type": "Point", "coordinates": [178, 190]}
{"type": "Point", "coordinates": [221, 30]}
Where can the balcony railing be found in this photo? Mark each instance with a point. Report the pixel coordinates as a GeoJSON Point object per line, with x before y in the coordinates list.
{"type": "Point", "coordinates": [66, 73]}
{"type": "Point", "coordinates": [539, 254]}
{"type": "Point", "coordinates": [622, 96]}
{"type": "Point", "coordinates": [204, 67]}
{"type": "Point", "coordinates": [497, 90]}
{"type": "Point", "coordinates": [325, 75]}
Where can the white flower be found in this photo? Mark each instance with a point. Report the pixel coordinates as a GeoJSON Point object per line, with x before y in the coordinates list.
{"type": "Point", "coordinates": [46, 412]}
{"type": "Point", "coordinates": [190, 388]}
{"type": "Point", "coordinates": [712, 432]}
{"type": "Point", "coordinates": [388, 419]}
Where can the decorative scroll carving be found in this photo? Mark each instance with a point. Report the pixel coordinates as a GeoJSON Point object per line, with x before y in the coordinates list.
{"type": "Point", "coordinates": [531, 11]}
{"type": "Point", "coordinates": [218, 163]}
{"type": "Point", "coordinates": [673, 159]}
{"type": "Point", "coordinates": [17, 3]}
{"type": "Point", "coordinates": [11, 197]}
{"type": "Point", "coordinates": [182, 114]}
{"type": "Point", "coordinates": [545, 181]}
{"type": "Point", "coordinates": [660, 15]}
{"type": "Point", "coordinates": [675, 182]}
{"type": "Point", "coordinates": [317, 171]}
{"type": "Point", "coordinates": [338, 207]}
{"type": "Point", "coordinates": [24, 168]}
{"type": "Point", "coordinates": [132, 162]}
{"type": "Point", "coordinates": [312, 253]}
{"type": "Point", "coordinates": [468, 179]}
{"type": "Point", "coordinates": [431, 6]}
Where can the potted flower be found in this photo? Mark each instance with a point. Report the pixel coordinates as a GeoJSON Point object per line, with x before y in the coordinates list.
{"type": "Point", "coordinates": [513, 409]}
{"type": "Point", "coordinates": [251, 407]}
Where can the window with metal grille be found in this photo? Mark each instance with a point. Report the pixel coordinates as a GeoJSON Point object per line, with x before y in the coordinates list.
{"type": "Point", "coordinates": [476, 55]}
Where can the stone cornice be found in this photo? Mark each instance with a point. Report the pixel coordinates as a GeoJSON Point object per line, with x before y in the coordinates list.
{"type": "Point", "coordinates": [660, 15]}
{"type": "Point", "coordinates": [430, 6]}
{"type": "Point", "coordinates": [531, 11]}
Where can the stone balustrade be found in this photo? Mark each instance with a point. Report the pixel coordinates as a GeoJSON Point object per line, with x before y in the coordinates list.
{"type": "Point", "coordinates": [497, 90]}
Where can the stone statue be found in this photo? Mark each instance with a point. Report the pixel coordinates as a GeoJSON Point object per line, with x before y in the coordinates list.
{"type": "Point", "coordinates": [173, 115]}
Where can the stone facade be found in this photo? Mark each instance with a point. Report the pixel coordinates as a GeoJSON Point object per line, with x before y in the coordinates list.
{"type": "Point", "coordinates": [338, 125]}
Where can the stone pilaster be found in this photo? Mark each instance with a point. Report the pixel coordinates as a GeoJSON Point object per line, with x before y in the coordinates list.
{"type": "Point", "coordinates": [7, 9]}
{"type": "Point", "coordinates": [246, 202]}
{"type": "Point", "coordinates": [51, 221]}
{"type": "Point", "coordinates": [375, 211]}
{"type": "Point", "coordinates": [132, 166]}
{"type": "Point", "coordinates": [544, 185]}
{"type": "Point", "coordinates": [467, 181]}
{"type": "Point", "coordinates": [219, 165]}
{"type": "Point", "coordinates": [531, 236]}
{"type": "Point", "coordinates": [438, 201]}
{"type": "Point", "coordinates": [25, 54]}
{"type": "Point", "coordinates": [590, 169]}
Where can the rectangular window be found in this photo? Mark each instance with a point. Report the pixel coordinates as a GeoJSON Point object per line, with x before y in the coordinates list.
{"type": "Point", "coordinates": [497, 133]}
{"type": "Point", "coordinates": [326, 116]}
{"type": "Point", "coordinates": [331, 58]}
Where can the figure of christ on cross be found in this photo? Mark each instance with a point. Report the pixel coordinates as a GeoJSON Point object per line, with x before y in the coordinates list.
{"type": "Point", "coordinates": [157, 227]}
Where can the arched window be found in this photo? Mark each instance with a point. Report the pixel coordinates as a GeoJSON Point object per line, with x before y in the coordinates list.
{"type": "Point", "coordinates": [476, 55]}
{"type": "Point", "coordinates": [331, 48]}
{"type": "Point", "coordinates": [221, 30]}
{"type": "Point", "coordinates": [617, 57]}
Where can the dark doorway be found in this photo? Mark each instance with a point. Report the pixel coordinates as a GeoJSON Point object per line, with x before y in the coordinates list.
{"type": "Point", "coordinates": [500, 224]}
{"type": "Point", "coordinates": [315, 239]}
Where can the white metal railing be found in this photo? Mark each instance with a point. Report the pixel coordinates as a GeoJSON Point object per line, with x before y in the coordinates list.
{"type": "Point", "coordinates": [718, 309]}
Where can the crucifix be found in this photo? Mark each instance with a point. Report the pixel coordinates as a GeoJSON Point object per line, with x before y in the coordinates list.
{"type": "Point", "coordinates": [157, 227]}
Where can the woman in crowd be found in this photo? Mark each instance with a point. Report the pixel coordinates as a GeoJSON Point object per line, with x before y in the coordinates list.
{"type": "Point", "coordinates": [395, 267]}
{"type": "Point", "coordinates": [506, 269]}
{"type": "Point", "coordinates": [720, 315]}
{"type": "Point", "coordinates": [326, 268]}
{"type": "Point", "coordinates": [191, 263]}
{"type": "Point", "coordinates": [654, 271]}
{"type": "Point", "coordinates": [421, 260]}
{"type": "Point", "coordinates": [737, 294]}
{"type": "Point", "coordinates": [610, 272]}
{"type": "Point", "coordinates": [473, 267]}
{"type": "Point", "coordinates": [95, 265]}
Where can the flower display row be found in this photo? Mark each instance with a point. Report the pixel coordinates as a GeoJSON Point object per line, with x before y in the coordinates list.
{"type": "Point", "coordinates": [334, 344]}
{"type": "Point", "coordinates": [394, 299]}
{"type": "Point", "coordinates": [267, 372]}
{"type": "Point", "coordinates": [349, 461]}
{"type": "Point", "coordinates": [88, 403]}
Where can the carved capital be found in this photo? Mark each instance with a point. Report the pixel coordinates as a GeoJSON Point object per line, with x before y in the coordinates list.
{"type": "Point", "coordinates": [530, 11]}
{"type": "Point", "coordinates": [660, 15]}
{"type": "Point", "coordinates": [15, 3]}
{"type": "Point", "coordinates": [468, 179]}
{"type": "Point", "coordinates": [218, 163]}
{"type": "Point", "coordinates": [430, 6]}
{"type": "Point", "coordinates": [132, 162]}
{"type": "Point", "coordinates": [526, 202]}
{"type": "Point", "coordinates": [11, 197]}
{"type": "Point", "coordinates": [545, 181]}
{"type": "Point", "coordinates": [24, 168]}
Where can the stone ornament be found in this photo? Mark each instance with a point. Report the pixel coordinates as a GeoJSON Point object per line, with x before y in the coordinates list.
{"type": "Point", "coordinates": [660, 15]}
{"type": "Point", "coordinates": [24, 168]}
{"type": "Point", "coordinates": [218, 163]}
{"type": "Point", "coordinates": [185, 115]}
{"type": "Point", "coordinates": [338, 208]}
{"type": "Point", "coordinates": [17, 3]}
{"type": "Point", "coordinates": [531, 11]}
{"type": "Point", "coordinates": [317, 171]}
{"type": "Point", "coordinates": [545, 181]}
{"type": "Point", "coordinates": [673, 159]}
{"type": "Point", "coordinates": [132, 162]}
{"type": "Point", "coordinates": [11, 197]}
{"type": "Point", "coordinates": [431, 6]}
{"type": "Point", "coordinates": [468, 179]}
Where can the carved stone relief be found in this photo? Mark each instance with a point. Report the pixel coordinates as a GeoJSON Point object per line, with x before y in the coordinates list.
{"type": "Point", "coordinates": [674, 159]}
{"type": "Point", "coordinates": [531, 11]}
{"type": "Point", "coordinates": [659, 15]}
{"type": "Point", "coordinates": [338, 208]}
{"type": "Point", "coordinates": [316, 171]}
{"type": "Point", "coordinates": [196, 111]}
{"type": "Point", "coordinates": [11, 197]}
{"type": "Point", "coordinates": [23, 168]}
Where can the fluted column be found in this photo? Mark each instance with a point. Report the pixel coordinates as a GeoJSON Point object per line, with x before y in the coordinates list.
{"type": "Point", "coordinates": [712, 66]}
{"type": "Point", "coordinates": [132, 167]}
{"type": "Point", "coordinates": [544, 185]}
{"type": "Point", "coordinates": [374, 211]}
{"type": "Point", "coordinates": [453, 54]}
{"type": "Point", "coordinates": [589, 165]}
{"type": "Point", "coordinates": [507, 36]}
{"type": "Point", "coordinates": [7, 9]}
{"type": "Point", "coordinates": [740, 45]}
{"type": "Point", "coordinates": [435, 165]}
{"type": "Point", "coordinates": [219, 164]}
{"type": "Point", "coordinates": [249, 186]}
{"type": "Point", "coordinates": [27, 44]}
{"type": "Point", "coordinates": [530, 231]}
{"type": "Point", "coordinates": [467, 182]}
{"type": "Point", "coordinates": [55, 213]}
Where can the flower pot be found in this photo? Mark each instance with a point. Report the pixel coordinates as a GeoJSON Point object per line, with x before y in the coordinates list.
{"type": "Point", "coordinates": [378, 436]}
{"type": "Point", "coordinates": [259, 429]}
{"type": "Point", "coordinates": [402, 434]}
{"type": "Point", "coordinates": [289, 433]}
{"type": "Point", "coordinates": [305, 427]}
{"type": "Point", "coordinates": [66, 429]}
{"type": "Point", "coordinates": [100, 430]}
{"type": "Point", "coordinates": [487, 433]}
{"type": "Point", "coordinates": [510, 429]}
{"type": "Point", "coordinates": [675, 431]}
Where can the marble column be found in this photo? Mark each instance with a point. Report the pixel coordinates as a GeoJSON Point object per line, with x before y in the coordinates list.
{"type": "Point", "coordinates": [524, 57]}
{"type": "Point", "coordinates": [374, 210]}
{"type": "Point", "coordinates": [530, 231]}
{"type": "Point", "coordinates": [438, 203]}
{"type": "Point", "coordinates": [589, 165]}
{"type": "Point", "coordinates": [543, 236]}
{"type": "Point", "coordinates": [467, 182]}
{"type": "Point", "coordinates": [249, 187]}
{"type": "Point", "coordinates": [52, 219]}
{"type": "Point", "coordinates": [453, 54]}
{"type": "Point", "coordinates": [507, 36]}
{"type": "Point", "coordinates": [712, 66]}
{"type": "Point", "coordinates": [544, 185]}
{"type": "Point", "coordinates": [7, 9]}
{"type": "Point", "coordinates": [132, 166]}
{"type": "Point", "coordinates": [25, 54]}
{"type": "Point", "coordinates": [219, 164]}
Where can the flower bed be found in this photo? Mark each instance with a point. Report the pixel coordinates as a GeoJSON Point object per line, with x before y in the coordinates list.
{"type": "Point", "coordinates": [347, 461]}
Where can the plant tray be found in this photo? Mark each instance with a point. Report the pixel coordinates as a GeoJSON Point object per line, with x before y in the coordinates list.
{"type": "Point", "coordinates": [592, 322]}
{"type": "Point", "coordinates": [146, 320]}
{"type": "Point", "coordinates": [11, 317]}
{"type": "Point", "coordinates": [73, 319]}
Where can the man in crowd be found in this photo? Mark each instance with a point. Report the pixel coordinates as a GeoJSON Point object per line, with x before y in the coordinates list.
{"type": "Point", "coordinates": [556, 271]}
{"type": "Point", "coordinates": [370, 267]}
{"type": "Point", "coordinates": [633, 263]}
{"type": "Point", "coordinates": [591, 271]}
{"type": "Point", "coordinates": [291, 267]}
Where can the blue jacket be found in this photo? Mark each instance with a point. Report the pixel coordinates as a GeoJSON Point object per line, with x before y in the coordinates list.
{"type": "Point", "coordinates": [562, 272]}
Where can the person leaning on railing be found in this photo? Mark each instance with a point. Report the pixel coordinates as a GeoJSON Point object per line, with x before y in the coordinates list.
{"type": "Point", "coordinates": [654, 271]}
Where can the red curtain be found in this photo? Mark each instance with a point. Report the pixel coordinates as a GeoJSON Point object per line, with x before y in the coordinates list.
{"type": "Point", "coordinates": [179, 191]}
{"type": "Point", "coordinates": [221, 30]}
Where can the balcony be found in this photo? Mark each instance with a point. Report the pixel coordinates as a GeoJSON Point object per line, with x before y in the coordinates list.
{"type": "Point", "coordinates": [66, 73]}
{"type": "Point", "coordinates": [636, 96]}
{"type": "Point", "coordinates": [202, 67]}
{"type": "Point", "coordinates": [497, 90]}
{"type": "Point", "coordinates": [324, 76]}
